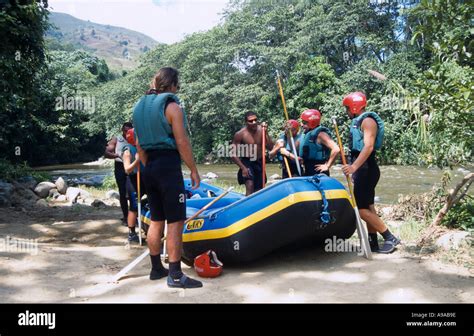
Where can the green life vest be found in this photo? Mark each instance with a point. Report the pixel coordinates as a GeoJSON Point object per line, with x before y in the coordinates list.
{"type": "Point", "coordinates": [150, 123]}
{"type": "Point", "coordinates": [310, 150]}
{"type": "Point", "coordinates": [357, 136]}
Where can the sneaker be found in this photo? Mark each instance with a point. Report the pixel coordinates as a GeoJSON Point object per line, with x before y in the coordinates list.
{"type": "Point", "coordinates": [389, 245]}
{"type": "Point", "coordinates": [158, 274]}
{"type": "Point", "coordinates": [133, 237]}
{"type": "Point", "coordinates": [183, 282]}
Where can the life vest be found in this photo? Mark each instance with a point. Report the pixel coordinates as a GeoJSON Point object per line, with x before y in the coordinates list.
{"type": "Point", "coordinates": [121, 142]}
{"type": "Point", "coordinates": [310, 150]}
{"type": "Point", "coordinates": [150, 123]}
{"type": "Point", "coordinates": [357, 136]}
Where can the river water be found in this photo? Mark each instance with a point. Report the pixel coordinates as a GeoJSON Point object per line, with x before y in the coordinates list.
{"type": "Point", "coordinates": [395, 180]}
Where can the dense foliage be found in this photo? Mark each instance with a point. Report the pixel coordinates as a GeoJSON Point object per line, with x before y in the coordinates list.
{"type": "Point", "coordinates": [323, 49]}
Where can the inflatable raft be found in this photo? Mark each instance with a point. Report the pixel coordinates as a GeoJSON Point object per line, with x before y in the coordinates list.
{"type": "Point", "coordinates": [295, 211]}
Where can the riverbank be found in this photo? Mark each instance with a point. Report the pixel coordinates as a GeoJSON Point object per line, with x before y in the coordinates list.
{"type": "Point", "coordinates": [80, 247]}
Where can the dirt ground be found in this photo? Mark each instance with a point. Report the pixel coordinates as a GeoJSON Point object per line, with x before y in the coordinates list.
{"type": "Point", "coordinates": [80, 248]}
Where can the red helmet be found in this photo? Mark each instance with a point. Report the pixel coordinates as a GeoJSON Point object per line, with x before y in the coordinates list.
{"type": "Point", "coordinates": [207, 265]}
{"type": "Point", "coordinates": [131, 136]}
{"type": "Point", "coordinates": [312, 117]}
{"type": "Point", "coordinates": [293, 124]}
{"type": "Point", "coordinates": [356, 101]}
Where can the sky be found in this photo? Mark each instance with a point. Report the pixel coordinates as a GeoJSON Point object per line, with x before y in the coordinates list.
{"type": "Point", "coordinates": [167, 21]}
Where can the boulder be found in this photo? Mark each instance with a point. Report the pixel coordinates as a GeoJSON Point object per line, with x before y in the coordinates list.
{"type": "Point", "coordinates": [6, 190]}
{"type": "Point", "coordinates": [72, 194]}
{"type": "Point", "coordinates": [41, 203]}
{"type": "Point", "coordinates": [452, 240]}
{"type": "Point", "coordinates": [98, 204]}
{"type": "Point", "coordinates": [112, 194]}
{"type": "Point", "coordinates": [43, 188]}
{"type": "Point", "coordinates": [53, 192]}
{"type": "Point", "coordinates": [28, 182]}
{"type": "Point", "coordinates": [61, 198]}
{"type": "Point", "coordinates": [211, 176]}
{"type": "Point", "coordinates": [22, 196]}
{"type": "Point", "coordinates": [61, 185]}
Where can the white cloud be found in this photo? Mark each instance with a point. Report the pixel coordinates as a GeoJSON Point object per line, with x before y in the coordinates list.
{"type": "Point", "coordinates": [166, 21]}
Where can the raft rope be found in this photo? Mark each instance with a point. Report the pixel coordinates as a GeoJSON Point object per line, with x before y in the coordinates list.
{"type": "Point", "coordinates": [325, 215]}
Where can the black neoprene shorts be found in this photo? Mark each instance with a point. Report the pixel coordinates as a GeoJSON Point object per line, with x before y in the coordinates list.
{"type": "Point", "coordinates": [165, 186]}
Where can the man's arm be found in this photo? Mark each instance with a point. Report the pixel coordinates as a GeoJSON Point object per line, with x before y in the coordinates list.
{"type": "Point", "coordinates": [175, 117]}
{"type": "Point", "coordinates": [110, 149]}
{"type": "Point", "coordinates": [127, 162]}
{"type": "Point", "coordinates": [369, 127]}
{"type": "Point", "coordinates": [325, 140]}
{"type": "Point", "coordinates": [278, 145]}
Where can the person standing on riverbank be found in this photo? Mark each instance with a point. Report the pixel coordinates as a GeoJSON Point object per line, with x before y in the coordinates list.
{"type": "Point", "coordinates": [131, 164]}
{"type": "Point", "coordinates": [160, 128]}
{"type": "Point", "coordinates": [366, 136]}
{"type": "Point", "coordinates": [317, 148]}
{"type": "Point", "coordinates": [282, 148]}
{"type": "Point", "coordinates": [250, 138]}
{"type": "Point", "coordinates": [114, 151]}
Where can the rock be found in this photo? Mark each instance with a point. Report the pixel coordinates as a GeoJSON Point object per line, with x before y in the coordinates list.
{"type": "Point", "coordinates": [84, 194]}
{"type": "Point", "coordinates": [72, 194]}
{"type": "Point", "coordinates": [87, 200]}
{"type": "Point", "coordinates": [211, 176]}
{"type": "Point", "coordinates": [41, 203]}
{"type": "Point", "coordinates": [377, 199]}
{"type": "Point", "coordinates": [61, 198]}
{"type": "Point", "coordinates": [61, 185]}
{"type": "Point", "coordinates": [112, 194]}
{"type": "Point", "coordinates": [28, 182]}
{"type": "Point", "coordinates": [275, 177]}
{"type": "Point", "coordinates": [53, 192]}
{"type": "Point", "coordinates": [43, 188]}
{"type": "Point", "coordinates": [6, 190]}
{"type": "Point", "coordinates": [98, 204]}
{"type": "Point", "coordinates": [463, 171]}
{"type": "Point", "coordinates": [452, 240]}
{"type": "Point", "coordinates": [22, 196]}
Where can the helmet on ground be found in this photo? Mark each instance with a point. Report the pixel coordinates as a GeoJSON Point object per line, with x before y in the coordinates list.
{"type": "Point", "coordinates": [355, 101]}
{"type": "Point", "coordinates": [131, 136]}
{"type": "Point", "coordinates": [207, 265]}
{"type": "Point", "coordinates": [312, 117]}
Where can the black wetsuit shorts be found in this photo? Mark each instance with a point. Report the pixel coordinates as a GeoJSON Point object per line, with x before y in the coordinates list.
{"type": "Point", "coordinates": [165, 186]}
{"type": "Point", "coordinates": [255, 173]}
{"type": "Point", "coordinates": [365, 181]}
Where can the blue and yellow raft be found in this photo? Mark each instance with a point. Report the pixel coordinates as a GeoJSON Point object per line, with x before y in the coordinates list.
{"type": "Point", "coordinates": [296, 211]}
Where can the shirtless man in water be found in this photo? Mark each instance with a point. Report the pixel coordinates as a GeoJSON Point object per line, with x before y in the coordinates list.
{"type": "Point", "coordinates": [248, 142]}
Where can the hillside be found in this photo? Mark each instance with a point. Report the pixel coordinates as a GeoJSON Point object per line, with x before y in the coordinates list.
{"type": "Point", "coordinates": [120, 47]}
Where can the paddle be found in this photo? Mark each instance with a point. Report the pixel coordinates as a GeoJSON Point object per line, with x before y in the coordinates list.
{"type": "Point", "coordinates": [263, 157]}
{"type": "Point", "coordinates": [289, 135]}
{"type": "Point", "coordinates": [139, 207]}
{"type": "Point", "coordinates": [361, 229]}
{"type": "Point", "coordinates": [142, 256]}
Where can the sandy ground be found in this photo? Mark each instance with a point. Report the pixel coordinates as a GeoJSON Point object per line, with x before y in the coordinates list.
{"type": "Point", "coordinates": [80, 248]}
